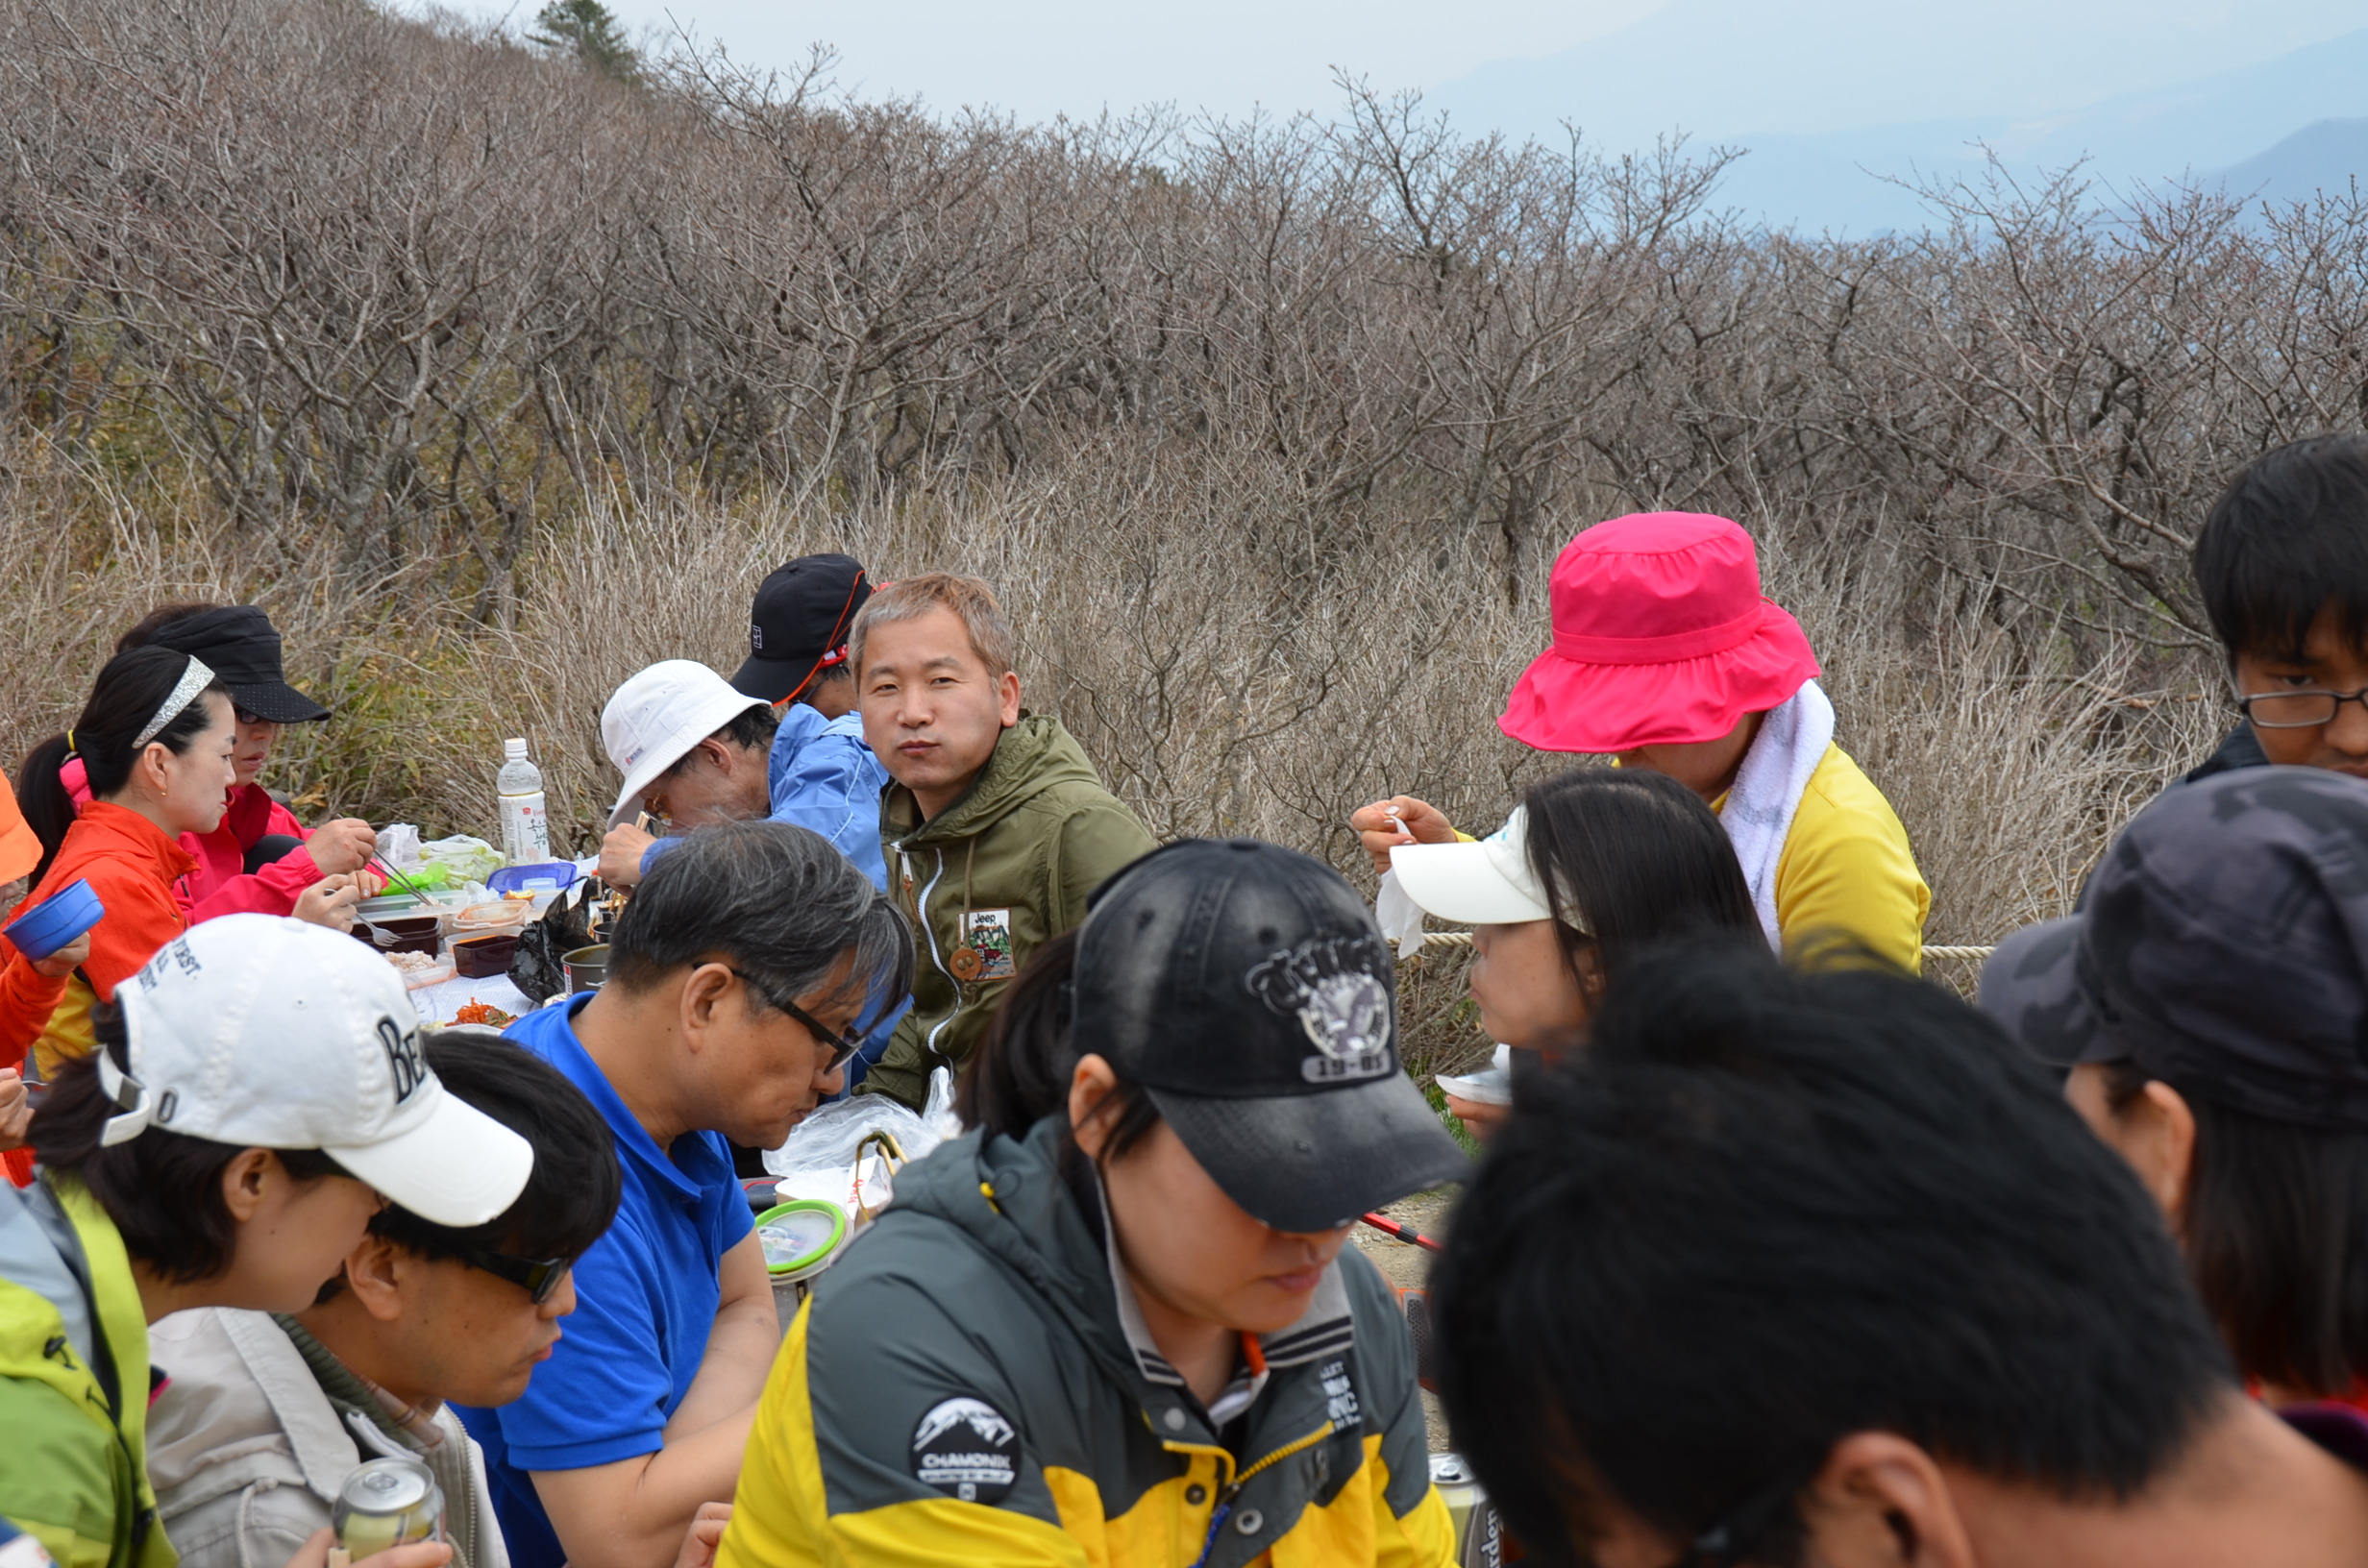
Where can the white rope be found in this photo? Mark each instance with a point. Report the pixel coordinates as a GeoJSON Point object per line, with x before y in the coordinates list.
{"type": "Point", "coordinates": [1967, 954]}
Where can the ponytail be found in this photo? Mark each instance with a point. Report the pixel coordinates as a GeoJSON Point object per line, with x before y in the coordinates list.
{"type": "Point", "coordinates": [1021, 1071]}
{"type": "Point", "coordinates": [124, 701]}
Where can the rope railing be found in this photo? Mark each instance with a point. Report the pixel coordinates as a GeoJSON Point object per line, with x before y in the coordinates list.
{"type": "Point", "coordinates": [1944, 951]}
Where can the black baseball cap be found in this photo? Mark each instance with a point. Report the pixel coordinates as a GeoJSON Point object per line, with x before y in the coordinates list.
{"type": "Point", "coordinates": [1246, 988]}
{"type": "Point", "coordinates": [2222, 947]}
{"type": "Point", "coordinates": [241, 646]}
{"type": "Point", "coordinates": [799, 624]}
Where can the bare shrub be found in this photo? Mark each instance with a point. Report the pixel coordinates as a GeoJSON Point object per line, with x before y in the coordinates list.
{"type": "Point", "coordinates": [495, 379]}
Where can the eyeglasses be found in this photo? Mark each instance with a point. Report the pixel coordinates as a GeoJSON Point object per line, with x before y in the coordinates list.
{"type": "Point", "coordinates": [537, 1277]}
{"type": "Point", "coordinates": [1725, 1544]}
{"type": "Point", "coordinates": [2298, 710]}
{"type": "Point", "coordinates": [843, 1045]}
{"type": "Point", "coordinates": [245, 717]}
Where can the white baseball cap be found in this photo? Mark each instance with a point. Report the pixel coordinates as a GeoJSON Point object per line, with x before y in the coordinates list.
{"type": "Point", "coordinates": [264, 1032]}
{"type": "Point", "coordinates": [655, 718]}
{"type": "Point", "coordinates": [1488, 882]}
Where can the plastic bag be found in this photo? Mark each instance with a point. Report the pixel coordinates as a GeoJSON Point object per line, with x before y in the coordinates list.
{"type": "Point", "coordinates": [469, 860]}
{"type": "Point", "coordinates": [824, 1157]}
{"type": "Point", "coordinates": [398, 846]}
{"type": "Point", "coordinates": [566, 924]}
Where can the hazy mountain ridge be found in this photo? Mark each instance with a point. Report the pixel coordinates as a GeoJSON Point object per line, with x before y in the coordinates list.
{"type": "Point", "coordinates": [1819, 177]}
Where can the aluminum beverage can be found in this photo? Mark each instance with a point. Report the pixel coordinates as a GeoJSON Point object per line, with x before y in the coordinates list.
{"type": "Point", "coordinates": [1479, 1537]}
{"type": "Point", "coordinates": [388, 1503]}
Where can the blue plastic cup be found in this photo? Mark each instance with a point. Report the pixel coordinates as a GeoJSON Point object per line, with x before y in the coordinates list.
{"type": "Point", "coordinates": [54, 920]}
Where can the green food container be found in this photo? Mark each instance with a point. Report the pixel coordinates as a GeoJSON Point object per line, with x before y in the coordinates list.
{"type": "Point", "coordinates": [809, 1233]}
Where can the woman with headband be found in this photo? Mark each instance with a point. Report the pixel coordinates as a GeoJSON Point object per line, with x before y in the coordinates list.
{"type": "Point", "coordinates": [155, 740]}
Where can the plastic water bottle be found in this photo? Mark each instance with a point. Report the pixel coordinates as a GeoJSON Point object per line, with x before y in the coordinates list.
{"type": "Point", "coordinates": [525, 830]}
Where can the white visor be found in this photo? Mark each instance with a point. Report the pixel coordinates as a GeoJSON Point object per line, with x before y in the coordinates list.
{"type": "Point", "coordinates": [1484, 883]}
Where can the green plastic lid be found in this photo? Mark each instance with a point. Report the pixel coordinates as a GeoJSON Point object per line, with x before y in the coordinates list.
{"type": "Point", "coordinates": [805, 1234]}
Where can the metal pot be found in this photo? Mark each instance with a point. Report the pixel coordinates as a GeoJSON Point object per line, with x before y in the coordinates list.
{"type": "Point", "coordinates": [585, 967]}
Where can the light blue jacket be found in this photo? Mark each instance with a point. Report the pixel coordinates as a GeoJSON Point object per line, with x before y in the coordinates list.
{"type": "Point", "coordinates": [824, 777]}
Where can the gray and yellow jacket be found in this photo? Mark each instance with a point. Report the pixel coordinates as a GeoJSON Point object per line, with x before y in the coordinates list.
{"type": "Point", "coordinates": [992, 875]}
{"type": "Point", "coordinates": [969, 1384]}
{"type": "Point", "coordinates": [73, 1383]}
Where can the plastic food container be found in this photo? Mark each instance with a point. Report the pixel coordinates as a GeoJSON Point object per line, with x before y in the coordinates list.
{"type": "Point", "coordinates": [401, 933]}
{"type": "Point", "coordinates": [800, 1239]}
{"type": "Point", "coordinates": [56, 920]}
{"type": "Point", "coordinates": [435, 973]}
{"type": "Point", "coordinates": [509, 915]}
{"type": "Point", "coordinates": [482, 957]}
{"type": "Point", "coordinates": [543, 876]}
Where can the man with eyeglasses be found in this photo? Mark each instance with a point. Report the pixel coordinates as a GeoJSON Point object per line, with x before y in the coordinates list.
{"type": "Point", "coordinates": [736, 976]}
{"type": "Point", "coordinates": [2282, 565]}
{"type": "Point", "coordinates": [264, 1414]}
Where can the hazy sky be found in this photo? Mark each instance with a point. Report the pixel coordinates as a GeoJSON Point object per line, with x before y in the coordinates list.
{"type": "Point", "coordinates": [1038, 57]}
{"type": "Point", "coordinates": [1626, 70]}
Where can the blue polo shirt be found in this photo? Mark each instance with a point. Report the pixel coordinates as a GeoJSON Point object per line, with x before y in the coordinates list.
{"type": "Point", "coordinates": [646, 1299]}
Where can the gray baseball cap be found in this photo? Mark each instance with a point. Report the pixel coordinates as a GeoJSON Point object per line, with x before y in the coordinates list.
{"type": "Point", "coordinates": [2221, 946]}
{"type": "Point", "coordinates": [1245, 987]}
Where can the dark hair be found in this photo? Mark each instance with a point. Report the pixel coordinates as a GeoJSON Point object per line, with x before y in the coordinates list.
{"type": "Point", "coordinates": [1635, 859]}
{"type": "Point", "coordinates": [570, 1196]}
{"type": "Point", "coordinates": [163, 1190]}
{"type": "Point", "coordinates": [1021, 1071]}
{"type": "Point", "coordinates": [751, 729]}
{"type": "Point", "coordinates": [775, 900]}
{"type": "Point", "coordinates": [126, 695]}
{"type": "Point", "coordinates": [2288, 538]}
{"type": "Point", "coordinates": [2276, 1234]}
{"type": "Point", "coordinates": [144, 630]}
{"type": "Point", "coordinates": [1768, 1208]}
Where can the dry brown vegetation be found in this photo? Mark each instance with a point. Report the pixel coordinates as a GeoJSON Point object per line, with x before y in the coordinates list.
{"type": "Point", "coordinates": [494, 379]}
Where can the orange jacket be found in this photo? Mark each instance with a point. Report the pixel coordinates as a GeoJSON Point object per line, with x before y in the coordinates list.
{"type": "Point", "coordinates": [133, 867]}
{"type": "Point", "coordinates": [19, 850]}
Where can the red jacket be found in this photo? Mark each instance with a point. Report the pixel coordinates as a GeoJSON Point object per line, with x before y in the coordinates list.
{"type": "Point", "coordinates": [221, 886]}
{"type": "Point", "coordinates": [133, 867]}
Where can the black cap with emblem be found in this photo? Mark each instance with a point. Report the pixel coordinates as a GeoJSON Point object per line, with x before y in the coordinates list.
{"type": "Point", "coordinates": [799, 624]}
{"type": "Point", "coordinates": [1245, 987]}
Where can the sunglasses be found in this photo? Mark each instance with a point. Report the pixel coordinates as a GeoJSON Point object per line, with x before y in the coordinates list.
{"type": "Point", "coordinates": [842, 1044]}
{"type": "Point", "coordinates": [537, 1277]}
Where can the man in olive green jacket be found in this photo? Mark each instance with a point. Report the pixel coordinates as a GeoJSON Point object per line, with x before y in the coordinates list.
{"type": "Point", "coordinates": [994, 825]}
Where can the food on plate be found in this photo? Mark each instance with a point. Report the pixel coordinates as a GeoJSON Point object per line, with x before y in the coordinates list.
{"type": "Point", "coordinates": [412, 964]}
{"type": "Point", "coordinates": [484, 1013]}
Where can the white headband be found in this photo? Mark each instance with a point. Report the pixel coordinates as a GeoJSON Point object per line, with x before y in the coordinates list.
{"type": "Point", "coordinates": [193, 680]}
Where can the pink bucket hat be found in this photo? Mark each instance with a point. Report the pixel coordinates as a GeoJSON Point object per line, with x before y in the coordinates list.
{"type": "Point", "coordinates": [1660, 638]}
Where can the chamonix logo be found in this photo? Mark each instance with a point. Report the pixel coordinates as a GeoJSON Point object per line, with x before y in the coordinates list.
{"type": "Point", "coordinates": [1333, 985]}
{"type": "Point", "coordinates": [967, 1448]}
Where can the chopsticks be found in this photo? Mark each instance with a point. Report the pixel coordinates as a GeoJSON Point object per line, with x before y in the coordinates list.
{"type": "Point", "coordinates": [397, 879]}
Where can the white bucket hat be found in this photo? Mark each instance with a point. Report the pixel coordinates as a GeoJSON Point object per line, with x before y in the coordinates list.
{"type": "Point", "coordinates": [264, 1032]}
{"type": "Point", "coordinates": [655, 718]}
{"type": "Point", "coordinates": [1487, 882]}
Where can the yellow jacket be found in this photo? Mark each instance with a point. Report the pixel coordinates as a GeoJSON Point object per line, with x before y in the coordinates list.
{"type": "Point", "coordinates": [1846, 865]}
{"type": "Point", "coordinates": [965, 1387]}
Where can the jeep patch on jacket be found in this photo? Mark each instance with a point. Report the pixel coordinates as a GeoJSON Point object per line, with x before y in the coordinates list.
{"type": "Point", "coordinates": [966, 1449]}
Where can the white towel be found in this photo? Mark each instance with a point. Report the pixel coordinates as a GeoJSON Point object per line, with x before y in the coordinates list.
{"type": "Point", "coordinates": [1757, 815]}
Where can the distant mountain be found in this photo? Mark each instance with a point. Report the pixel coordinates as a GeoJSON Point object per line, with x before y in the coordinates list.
{"type": "Point", "coordinates": [2329, 156]}
{"type": "Point", "coordinates": [1721, 69]}
{"type": "Point", "coordinates": [1837, 99]}
{"type": "Point", "coordinates": [2186, 130]}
